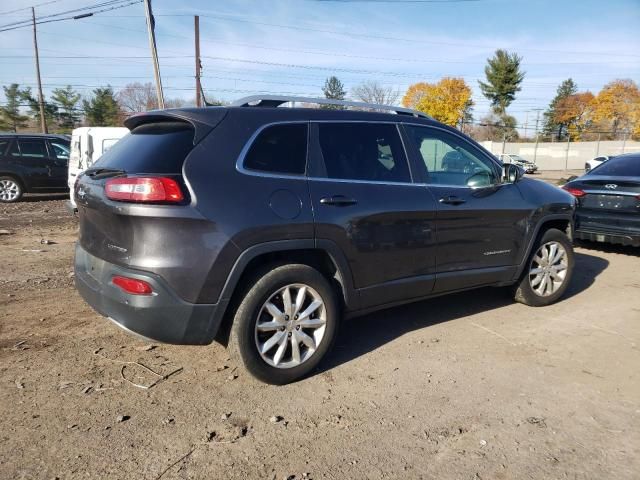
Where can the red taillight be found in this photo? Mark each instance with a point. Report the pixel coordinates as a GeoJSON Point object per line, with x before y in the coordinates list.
{"type": "Point", "coordinates": [132, 286]}
{"type": "Point", "coordinates": [576, 192]}
{"type": "Point", "coordinates": [144, 189]}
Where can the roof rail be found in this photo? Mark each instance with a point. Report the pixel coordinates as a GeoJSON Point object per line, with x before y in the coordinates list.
{"type": "Point", "coordinates": [277, 100]}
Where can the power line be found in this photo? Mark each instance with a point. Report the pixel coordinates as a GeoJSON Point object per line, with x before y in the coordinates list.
{"type": "Point", "coordinates": [384, 37]}
{"type": "Point", "coordinates": [108, 6]}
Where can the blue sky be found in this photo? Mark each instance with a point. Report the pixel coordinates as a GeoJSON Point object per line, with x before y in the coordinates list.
{"type": "Point", "coordinates": [291, 46]}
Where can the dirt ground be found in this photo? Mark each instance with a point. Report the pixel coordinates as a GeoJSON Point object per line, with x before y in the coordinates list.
{"type": "Point", "coordinates": [470, 386]}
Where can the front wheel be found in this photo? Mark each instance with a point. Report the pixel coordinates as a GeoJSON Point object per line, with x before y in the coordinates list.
{"type": "Point", "coordinates": [285, 323]}
{"type": "Point", "coordinates": [548, 271]}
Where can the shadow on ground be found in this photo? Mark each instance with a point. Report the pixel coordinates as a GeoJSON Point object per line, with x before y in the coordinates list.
{"type": "Point", "coordinates": [608, 248]}
{"type": "Point", "coordinates": [362, 335]}
{"type": "Point", "coordinates": [44, 197]}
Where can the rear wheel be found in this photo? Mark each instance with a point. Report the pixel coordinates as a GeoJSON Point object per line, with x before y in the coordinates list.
{"type": "Point", "coordinates": [285, 323]}
{"type": "Point", "coordinates": [548, 271]}
{"type": "Point", "coordinates": [10, 189]}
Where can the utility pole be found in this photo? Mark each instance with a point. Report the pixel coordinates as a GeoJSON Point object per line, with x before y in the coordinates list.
{"type": "Point", "coordinates": [154, 51]}
{"type": "Point", "coordinates": [43, 121]}
{"type": "Point", "coordinates": [526, 121]}
{"type": "Point", "coordinates": [196, 24]}
{"type": "Point", "coordinates": [535, 149]}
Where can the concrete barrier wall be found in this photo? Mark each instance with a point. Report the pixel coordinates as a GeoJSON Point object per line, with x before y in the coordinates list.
{"type": "Point", "coordinates": [556, 156]}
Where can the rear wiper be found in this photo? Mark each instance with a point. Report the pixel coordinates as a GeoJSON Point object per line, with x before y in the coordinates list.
{"type": "Point", "coordinates": [104, 172]}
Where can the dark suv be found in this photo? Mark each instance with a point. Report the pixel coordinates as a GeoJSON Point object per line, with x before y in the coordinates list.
{"type": "Point", "coordinates": [262, 226]}
{"type": "Point", "coordinates": [32, 163]}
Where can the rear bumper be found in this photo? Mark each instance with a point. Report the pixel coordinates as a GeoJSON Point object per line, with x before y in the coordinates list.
{"type": "Point", "coordinates": [609, 237]}
{"type": "Point", "coordinates": [162, 316]}
{"type": "Point", "coordinates": [610, 227]}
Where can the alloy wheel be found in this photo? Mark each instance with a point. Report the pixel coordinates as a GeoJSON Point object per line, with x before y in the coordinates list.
{"type": "Point", "coordinates": [548, 269]}
{"type": "Point", "coordinates": [290, 326]}
{"type": "Point", "coordinates": [9, 190]}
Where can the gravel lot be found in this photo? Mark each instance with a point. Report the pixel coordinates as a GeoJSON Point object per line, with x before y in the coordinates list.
{"type": "Point", "coordinates": [470, 386]}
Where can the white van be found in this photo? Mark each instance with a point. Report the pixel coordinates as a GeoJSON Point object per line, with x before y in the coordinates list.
{"type": "Point", "coordinates": [87, 145]}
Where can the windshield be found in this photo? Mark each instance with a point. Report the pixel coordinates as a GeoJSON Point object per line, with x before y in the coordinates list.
{"type": "Point", "coordinates": [623, 166]}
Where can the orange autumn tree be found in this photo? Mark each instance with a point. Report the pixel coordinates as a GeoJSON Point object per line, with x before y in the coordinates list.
{"type": "Point", "coordinates": [448, 101]}
{"type": "Point", "coordinates": [617, 108]}
{"type": "Point", "coordinates": [574, 111]}
{"type": "Point", "coordinates": [414, 94]}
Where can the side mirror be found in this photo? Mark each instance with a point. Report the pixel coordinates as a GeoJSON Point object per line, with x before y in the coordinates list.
{"type": "Point", "coordinates": [511, 173]}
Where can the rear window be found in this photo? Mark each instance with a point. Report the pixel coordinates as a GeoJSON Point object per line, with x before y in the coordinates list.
{"type": "Point", "coordinates": [151, 148]}
{"type": "Point", "coordinates": [619, 167]}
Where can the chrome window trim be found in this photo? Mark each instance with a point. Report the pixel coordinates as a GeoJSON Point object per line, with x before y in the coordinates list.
{"type": "Point", "coordinates": [258, 173]}
{"type": "Point", "coordinates": [490, 157]}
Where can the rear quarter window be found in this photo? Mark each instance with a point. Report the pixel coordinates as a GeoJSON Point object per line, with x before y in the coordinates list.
{"type": "Point", "coordinates": [159, 147]}
{"type": "Point", "coordinates": [279, 149]}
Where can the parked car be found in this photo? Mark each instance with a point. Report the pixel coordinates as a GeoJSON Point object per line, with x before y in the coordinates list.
{"type": "Point", "coordinates": [87, 145]}
{"type": "Point", "coordinates": [529, 167]}
{"type": "Point", "coordinates": [32, 163]}
{"type": "Point", "coordinates": [595, 162]}
{"type": "Point", "coordinates": [609, 201]}
{"type": "Point", "coordinates": [263, 226]}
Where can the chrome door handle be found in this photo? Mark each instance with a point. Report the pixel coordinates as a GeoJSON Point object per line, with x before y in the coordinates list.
{"type": "Point", "coordinates": [338, 201]}
{"type": "Point", "coordinates": [452, 200]}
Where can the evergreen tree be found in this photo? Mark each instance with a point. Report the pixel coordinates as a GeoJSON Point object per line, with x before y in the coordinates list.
{"type": "Point", "coordinates": [333, 89]}
{"type": "Point", "coordinates": [10, 116]}
{"type": "Point", "coordinates": [67, 100]}
{"type": "Point", "coordinates": [102, 110]}
{"type": "Point", "coordinates": [50, 110]}
{"type": "Point", "coordinates": [552, 126]}
{"type": "Point", "coordinates": [503, 80]}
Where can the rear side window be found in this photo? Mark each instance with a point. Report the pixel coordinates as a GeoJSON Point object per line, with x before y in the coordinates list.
{"type": "Point", "coordinates": [33, 148]}
{"type": "Point", "coordinates": [3, 146]}
{"type": "Point", "coordinates": [619, 167]}
{"type": "Point", "coordinates": [363, 151]}
{"type": "Point", "coordinates": [151, 148]}
{"type": "Point", "coordinates": [279, 149]}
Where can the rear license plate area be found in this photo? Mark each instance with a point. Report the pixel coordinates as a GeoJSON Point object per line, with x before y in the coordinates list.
{"type": "Point", "coordinates": [607, 202]}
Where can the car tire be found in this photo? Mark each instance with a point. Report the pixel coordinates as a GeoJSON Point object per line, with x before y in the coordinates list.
{"type": "Point", "coordinates": [548, 270]}
{"type": "Point", "coordinates": [11, 189]}
{"type": "Point", "coordinates": [259, 330]}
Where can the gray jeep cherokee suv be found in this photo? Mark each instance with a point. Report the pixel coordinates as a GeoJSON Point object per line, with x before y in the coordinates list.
{"type": "Point", "coordinates": [263, 226]}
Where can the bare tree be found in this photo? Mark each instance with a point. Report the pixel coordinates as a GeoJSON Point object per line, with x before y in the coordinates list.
{"type": "Point", "coordinates": [136, 97]}
{"type": "Point", "coordinates": [372, 92]}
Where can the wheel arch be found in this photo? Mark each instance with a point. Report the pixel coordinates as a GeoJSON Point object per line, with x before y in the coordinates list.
{"type": "Point", "coordinates": [562, 222]}
{"type": "Point", "coordinates": [323, 255]}
{"type": "Point", "coordinates": [15, 176]}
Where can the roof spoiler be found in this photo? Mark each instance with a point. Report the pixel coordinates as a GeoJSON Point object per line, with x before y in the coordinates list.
{"type": "Point", "coordinates": [202, 120]}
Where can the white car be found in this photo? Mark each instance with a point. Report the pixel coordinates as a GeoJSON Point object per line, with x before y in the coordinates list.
{"type": "Point", "coordinates": [87, 145]}
{"type": "Point", "coordinates": [529, 167]}
{"type": "Point", "coordinates": [593, 163]}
